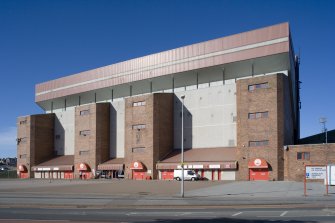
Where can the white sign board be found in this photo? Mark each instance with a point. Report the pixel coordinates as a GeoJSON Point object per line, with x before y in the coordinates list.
{"type": "Point", "coordinates": [316, 172]}
{"type": "Point", "coordinates": [331, 175]}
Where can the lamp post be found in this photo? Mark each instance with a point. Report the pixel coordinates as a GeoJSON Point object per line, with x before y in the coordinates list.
{"type": "Point", "coordinates": [323, 121]}
{"type": "Point", "coordinates": [182, 146]}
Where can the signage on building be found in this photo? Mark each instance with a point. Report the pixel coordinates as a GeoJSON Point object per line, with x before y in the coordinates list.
{"type": "Point", "coordinates": [214, 166]}
{"type": "Point", "coordinates": [316, 172]}
{"type": "Point", "coordinates": [331, 175]}
{"type": "Point", "coordinates": [257, 162]}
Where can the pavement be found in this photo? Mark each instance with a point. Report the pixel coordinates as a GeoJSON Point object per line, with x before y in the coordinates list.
{"type": "Point", "coordinates": [148, 194]}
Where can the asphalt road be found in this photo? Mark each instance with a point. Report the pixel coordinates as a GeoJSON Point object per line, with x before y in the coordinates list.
{"type": "Point", "coordinates": [177, 215]}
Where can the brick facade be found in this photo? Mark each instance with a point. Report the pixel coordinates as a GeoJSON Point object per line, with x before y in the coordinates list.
{"type": "Point", "coordinates": [150, 143]}
{"type": "Point", "coordinates": [319, 154]}
{"type": "Point", "coordinates": [273, 100]}
{"type": "Point", "coordinates": [35, 135]}
{"type": "Point", "coordinates": [91, 135]}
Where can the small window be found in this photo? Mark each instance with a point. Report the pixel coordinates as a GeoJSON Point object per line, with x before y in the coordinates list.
{"type": "Point", "coordinates": [57, 137]}
{"type": "Point", "coordinates": [257, 115]}
{"type": "Point", "coordinates": [139, 127]}
{"type": "Point", "coordinates": [23, 122]}
{"type": "Point", "coordinates": [85, 112]}
{"type": "Point", "coordinates": [251, 115]}
{"type": "Point", "coordinates": [258, 143]}
{"type": "Point", "coordinates": [23, 156]}
{"type": "Point", "coordinates": [85, 132]}
{"type": "Point", "coordinates": [139, 103]}
{"type": "Point", "coordinates": [138, 149]}
{"type": "Point", "coordinates": [251, 87]}
{"type": "Point", "coordinates": [258, 86]}
{"type": "Point", "coordinates": [265, 114]}
{"type": "Point", "coordinates": [190, 172]}
{"type": "Point", "coordinates": [303, 156]}
{"type": "Point", "coordinates": [84, 152]}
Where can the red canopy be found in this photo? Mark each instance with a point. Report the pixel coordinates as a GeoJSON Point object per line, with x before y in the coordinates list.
{"type": "Point", "coordinates": [83, 167]}
{"type": "Point", "coordinates": [22, 168]}
{"type": "Point", "coordinates": [137, 165]}
{"type": "Point", "coordinates": [258, 163]}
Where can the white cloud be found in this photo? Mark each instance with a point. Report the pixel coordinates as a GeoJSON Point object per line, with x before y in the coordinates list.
{"type": "Point", "coordinates": [8, 142]}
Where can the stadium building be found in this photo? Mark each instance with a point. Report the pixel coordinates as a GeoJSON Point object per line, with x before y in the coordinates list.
{"type": "Point", "coordinates": [241, 108]}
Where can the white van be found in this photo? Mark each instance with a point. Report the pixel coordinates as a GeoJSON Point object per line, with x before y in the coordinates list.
{"type": "Point", "coordinates": [188, 175]}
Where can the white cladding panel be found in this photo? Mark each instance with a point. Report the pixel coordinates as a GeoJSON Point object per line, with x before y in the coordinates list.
{"type": "Point", "coordinates": [228, 175]}
{"type": "Point", "coordinates": [209, 117]}
{"type": "Point", "coordinates": [117, 119]}
{"type": "Point", "coordinates": [64, 132]}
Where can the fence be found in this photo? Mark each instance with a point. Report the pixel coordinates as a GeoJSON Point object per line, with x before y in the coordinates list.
{"type": "Point", "coordinates": [8, 174]}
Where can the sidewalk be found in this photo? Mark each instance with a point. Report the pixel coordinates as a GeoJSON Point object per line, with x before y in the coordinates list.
{"type": "Point", "coordinates": [142, 194]}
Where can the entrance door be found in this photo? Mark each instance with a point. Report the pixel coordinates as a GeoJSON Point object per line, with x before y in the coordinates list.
{"type": "Point", "coordinates": [258, 174]}
{"type": "Point", "coordinates": [139, 175]}
{"type": "Point", "coordinates": [167, 174]}
{"type": "Point", "coordinates": [24, 175]}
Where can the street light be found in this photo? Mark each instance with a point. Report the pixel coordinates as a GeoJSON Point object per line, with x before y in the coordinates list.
{"type": "Point", "coordinates": [323, 121]}
{"type": "Point", "coordinates": [182, 145]}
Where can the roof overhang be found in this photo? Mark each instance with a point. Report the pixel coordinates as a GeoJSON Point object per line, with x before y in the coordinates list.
{"type": "Point", "coordinates": [52, 168]}
{"type": "Point", "coordinates": [229, 165]}
{"type": "Point", "coordinates": [251, 45]}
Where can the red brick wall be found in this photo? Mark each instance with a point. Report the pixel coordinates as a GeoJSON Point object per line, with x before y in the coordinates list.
{"type": "Point", "coordinates": [92, 149]}
{"type": "Point", "coordinates": [320, 154]}
{"type": "Point", "coordinates": [156, 138]}
{"type": "Point", "coordinates": [39, 144]}
{"type": "Point", "coordinates": [277, 103]}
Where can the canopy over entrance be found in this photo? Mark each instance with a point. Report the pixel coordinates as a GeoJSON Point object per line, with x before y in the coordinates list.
{"type": "Point", "coordinates": [137, 165]}
{"type": "Point", "coordinates": [258, 163]}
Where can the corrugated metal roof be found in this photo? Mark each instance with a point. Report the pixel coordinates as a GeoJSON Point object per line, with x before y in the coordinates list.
{"type": "Point", "coordinates": [257, 43]}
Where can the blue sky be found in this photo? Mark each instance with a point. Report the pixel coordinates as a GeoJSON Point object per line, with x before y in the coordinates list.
{"type": "Point", "coordinates": [44, 40]}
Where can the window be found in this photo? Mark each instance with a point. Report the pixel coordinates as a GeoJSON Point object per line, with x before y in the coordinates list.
{"type": "Point", "coordinates": [257, 115]}
{"type": "Point", "coordinates": [84, 112]}
{"type": "Point", "coordinates": [258, 143]}
{"type": "Point", "coordinates": [84, 152]}
{"type": "Point", "coordinates": [139, 127]}
{"type": "Point", "coordinates": [57, 137]}
{"type": "Point", "coordinates": [303, 155]}
{"type": "Point", "coordinates": [23, 156]}
{"type": "Point", "coordinates": [139, 103]}
{"type": "Point", "coordinates": [23, 122]}
{"type": "Point", "coordinates": [85, 132]}
{"type": "Point", "coordinates": [258, 86]}
{"type": "Point", "coordinates": [138, 149]}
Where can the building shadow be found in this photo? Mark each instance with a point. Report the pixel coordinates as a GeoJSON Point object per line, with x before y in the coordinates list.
{"type": "Point", "coordinates": [188, 125]}
{"type": "Point", "coordinates": [113, 132]}
{"type": "Point", "coordinates": [59, 137]}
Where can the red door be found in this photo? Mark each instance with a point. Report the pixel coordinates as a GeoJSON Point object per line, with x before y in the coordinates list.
{"type": "Point", "coordinates": [86, 175]}
{"type": "Point", "coordinates": [258, 174]}
{"type": "Point", "coordinates": [167, 175]}
{"type": "Point", "coordinates": [68, 175]}
{"type": "Point", "coordinates": [24, 175]}
{"type": "Point", "coordinates": [139, 175]}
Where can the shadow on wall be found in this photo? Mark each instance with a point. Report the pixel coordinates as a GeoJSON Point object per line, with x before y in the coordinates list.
{"type": "Point", "coordinates": [188, 125]}
{"type": "Point", "coordinates": [59, 138]}
{"type": "Point", "coordinates": [113, 131]}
